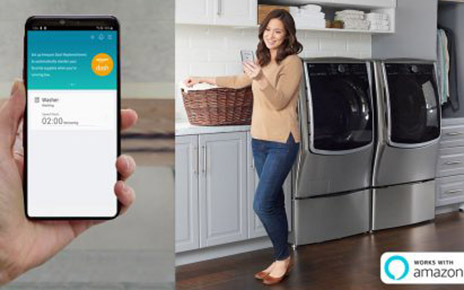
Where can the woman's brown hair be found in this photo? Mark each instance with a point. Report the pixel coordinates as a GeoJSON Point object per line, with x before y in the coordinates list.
{"type": "Point", "coordinates": [288, 47]}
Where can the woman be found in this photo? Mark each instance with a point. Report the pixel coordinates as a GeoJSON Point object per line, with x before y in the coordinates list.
{"type": "Point", "coordinates": [275, 81]}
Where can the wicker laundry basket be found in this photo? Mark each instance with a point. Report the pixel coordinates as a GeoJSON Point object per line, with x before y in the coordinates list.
{"type": "Point", "coordinates": [220, 106]}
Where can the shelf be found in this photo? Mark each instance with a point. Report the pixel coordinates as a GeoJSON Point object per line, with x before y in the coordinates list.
{"type": "Point", "coordinates": [451, 1]}
{"type": "Point", "coordinates": [332, 3]}
{"type": "Point", "coordinates": [344, 30]}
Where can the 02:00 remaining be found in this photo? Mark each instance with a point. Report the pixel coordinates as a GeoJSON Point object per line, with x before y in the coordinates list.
{"type": "Point", "coordinates": [52, 121]}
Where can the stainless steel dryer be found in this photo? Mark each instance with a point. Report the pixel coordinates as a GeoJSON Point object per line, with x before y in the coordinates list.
{"type": "Point", "coordinates": [331, 198]}
{"type": "Point", "coordinates": [408, 126]}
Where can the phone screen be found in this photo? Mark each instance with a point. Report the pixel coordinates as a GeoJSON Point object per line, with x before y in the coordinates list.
{"type": "Point", "coordinates": [72, 123]}
{"type": "Point", "coordinates": [247, 55]}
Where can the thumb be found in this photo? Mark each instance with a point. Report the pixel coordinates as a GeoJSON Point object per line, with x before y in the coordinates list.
{"type": "Point", "coordinates": [11, 114]}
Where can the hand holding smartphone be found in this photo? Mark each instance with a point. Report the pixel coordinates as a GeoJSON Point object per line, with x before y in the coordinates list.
{"type": "Point", "coordinates": [72, 120]}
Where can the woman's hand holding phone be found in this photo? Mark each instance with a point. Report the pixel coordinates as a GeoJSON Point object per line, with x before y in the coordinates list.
{"type": "Point", "coordinates": [252, 70]}
{"type": "Point", "coordinates": [25, 243]}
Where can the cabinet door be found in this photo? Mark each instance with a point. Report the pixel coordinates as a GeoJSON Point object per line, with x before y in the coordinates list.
{"type": "Point", "coordinates": [255, 227]}
{"type": "Point", "coordinates": [449, 190]}
{"type": "Point", "coordinates": [186, 194]}
{"type": "Point", "coordinates": [194, 11]}
{"type": "Point", "coordinates": [223, 213]}
{"type": "Point", "coordinates": [235, 12]}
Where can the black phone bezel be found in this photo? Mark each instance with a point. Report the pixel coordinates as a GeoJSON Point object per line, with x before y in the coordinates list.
{"type": "Point", "coordinates": [72, 22]}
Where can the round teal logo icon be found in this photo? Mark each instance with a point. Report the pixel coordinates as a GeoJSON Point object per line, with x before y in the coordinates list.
{"type": "Point", "coordinates": [395, 275]}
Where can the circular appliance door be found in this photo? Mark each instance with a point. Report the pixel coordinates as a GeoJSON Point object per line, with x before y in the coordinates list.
{"type": "Point", "coordinates": [341, 109]}
{"type": "Point", "coordinates": [413, 109]}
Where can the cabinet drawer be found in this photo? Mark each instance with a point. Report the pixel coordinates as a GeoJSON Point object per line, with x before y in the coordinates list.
{"type": "Point", "coordinates": [450, 161]}
{"type": "Point", "coordinates": [452, 136]}
{"type": "Point", "coordinates": [450, 190]}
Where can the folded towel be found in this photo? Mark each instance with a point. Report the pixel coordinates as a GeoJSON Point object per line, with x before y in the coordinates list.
{"type": "Point", "coordinates": [379, 22]}
{"type": "Point", "coordinates": [346, 17]}
{"type": "Point", "coordinates": [350, 12]}
{"type": "Point", "coordinates": [379, 28]}
{"type": "Point", "coordinates": [356, 24]}
{"type": "Point", "coordinates": [376, 16]}
{"type": "Point", "coordinates": [197, 87]}
{"type": "Point", "coordinates": [312, 8]}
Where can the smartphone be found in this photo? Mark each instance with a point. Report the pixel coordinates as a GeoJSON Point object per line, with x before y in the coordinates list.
{"type": "Point", "coordinates": [72, 117]}
{"type": "Point", "coordinates": [247, 55]}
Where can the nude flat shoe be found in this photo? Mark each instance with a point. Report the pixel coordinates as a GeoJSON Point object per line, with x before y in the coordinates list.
{"type": "Point", "coordinates": [269, 280]}
{"type": "Point", "coordinates": [261, 275]}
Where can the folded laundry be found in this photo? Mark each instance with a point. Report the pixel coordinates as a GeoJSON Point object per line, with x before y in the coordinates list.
{"type": "Point", "coordinates": [349, 11]}
{"type": "Point", "coordinates": [376, 16]}
{"type": "Point", "coordinates": [379, 22]}
{"type": "Point", "coordinates": [356, 24]}
{"type": "Point", "coordinates": [311, 8]}
{"type": "Point", "coordinates": [297, 12]}
{"type": "Point", "coordinates": [349, 16]}
{"type": "Point", "coordinates": [379, 27]}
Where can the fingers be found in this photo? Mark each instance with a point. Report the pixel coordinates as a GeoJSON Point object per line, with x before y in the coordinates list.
{"type": "Point", "coordinates": [11, 114]}
{"type": "Point", "coordinates": [189, 82]}
{"type": "Point", "coordinates": [128, 118]}
{"type": "Point", "coordinates": [125, 166]}
{"type": "Point", "coordinates": [125, 195]}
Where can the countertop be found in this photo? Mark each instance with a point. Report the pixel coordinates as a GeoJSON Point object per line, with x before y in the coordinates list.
{"type": "Point", "coordinates": [185, 128]}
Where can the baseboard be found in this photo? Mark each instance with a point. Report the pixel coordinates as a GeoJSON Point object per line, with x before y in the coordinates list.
{"type": "Point", "coordinates": [222, 251]}
{"type": "Point", "coordinates": [449, 208]}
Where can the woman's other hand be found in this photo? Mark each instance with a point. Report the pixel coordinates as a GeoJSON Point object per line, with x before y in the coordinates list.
{"type": "Point", "coordinates": [191, 81]}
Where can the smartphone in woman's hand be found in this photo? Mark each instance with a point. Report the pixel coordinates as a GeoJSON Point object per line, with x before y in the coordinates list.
{"type": "Point", "coordinates": [247, 55]}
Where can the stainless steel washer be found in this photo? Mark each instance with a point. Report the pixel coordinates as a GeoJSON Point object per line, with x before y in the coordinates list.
{"type": "Point", "coordinates": [408, 126]}
{"type": "Point", "coordinates": [331, 198]}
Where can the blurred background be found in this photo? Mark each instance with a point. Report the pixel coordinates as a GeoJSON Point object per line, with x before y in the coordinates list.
{"type": "Point", "coordinates": [134, 251]}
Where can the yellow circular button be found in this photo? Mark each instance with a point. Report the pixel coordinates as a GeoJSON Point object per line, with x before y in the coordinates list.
{"type": "Point", "coordinates": [102, 64]}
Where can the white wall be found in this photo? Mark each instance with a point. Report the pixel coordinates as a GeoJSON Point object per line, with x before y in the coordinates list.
{"type": "Point", "coordinates": [215, 51]}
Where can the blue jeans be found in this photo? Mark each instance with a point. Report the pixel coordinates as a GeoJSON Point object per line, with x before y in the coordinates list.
{"type": "Point", "coordinates": [273, 161]}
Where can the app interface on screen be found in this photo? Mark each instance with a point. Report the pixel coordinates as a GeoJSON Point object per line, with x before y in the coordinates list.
{"type": "Point", "coordinates": [72, 123]}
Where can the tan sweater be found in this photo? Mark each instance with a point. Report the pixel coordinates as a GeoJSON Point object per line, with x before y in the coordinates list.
{"type": "Point", "coordinates": [274, 107]}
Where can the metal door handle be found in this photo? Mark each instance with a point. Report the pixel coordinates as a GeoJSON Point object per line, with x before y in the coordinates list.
{"type": "Point", "coordinates": [453, 162]}
{"type": "Point", "coordinates": [454, 191]}
{"type": "Point", "coordinates": [203, 148]}
{"type": "Point", "coordinates": [195, 159]}
{"type": "Point", "coordinates": [453, 133]}
{"type": "Point", "coordinates": [219, 7]}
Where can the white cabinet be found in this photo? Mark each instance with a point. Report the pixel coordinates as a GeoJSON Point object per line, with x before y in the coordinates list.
{"type": "Point", "coordinates": [194, 11]}
{"type": "Point", "coordinates": [217, 12]}
{"type": "Point", "coordinates": [450, 167]}
{"type": "Point", "coordinates": [223, 214]}
{"type": "Point", "coordinates": [236, 12]}
{"type": "Point", "coordinates": [186, 194]}
{"type": "Point", "coordinates": [215, 185]}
